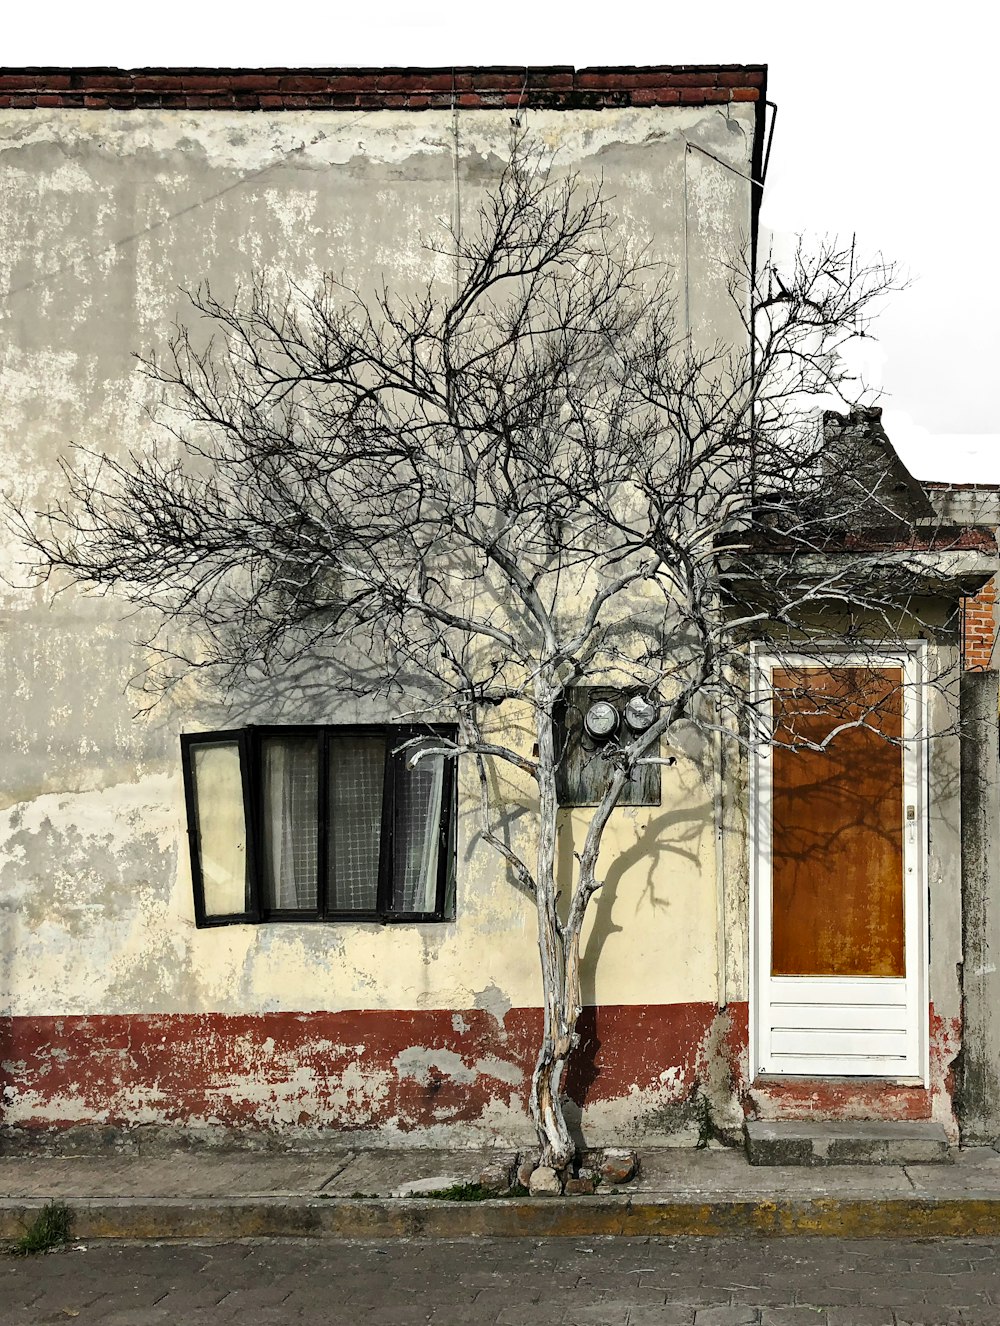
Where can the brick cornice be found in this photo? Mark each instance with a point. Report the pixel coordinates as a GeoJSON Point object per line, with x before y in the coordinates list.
{"type": "Point", "coordinates": [557, 87]}
{"type": "Point", "coordinates": [944, 538]}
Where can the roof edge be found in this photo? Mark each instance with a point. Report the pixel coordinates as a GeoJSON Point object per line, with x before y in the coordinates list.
{"type": "Point", "coordinates": [558, 87]}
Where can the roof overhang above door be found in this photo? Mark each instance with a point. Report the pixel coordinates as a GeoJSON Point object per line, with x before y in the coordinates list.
{"type": "Point", "coordinates": [946, 564]}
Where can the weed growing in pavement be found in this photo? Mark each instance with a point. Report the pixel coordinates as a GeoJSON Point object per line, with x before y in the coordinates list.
{"type": "Point", "coordinates": [472, 1192]}
{"type": "Point", "coordinates": [49, 1229]}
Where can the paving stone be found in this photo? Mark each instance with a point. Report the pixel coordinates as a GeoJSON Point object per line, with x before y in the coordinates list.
{"type": "Point", "coordinates": [527, 1314]}
{"type": "Point", "coordinates": [792, 1316]}
{"type": "Point", "coordinates": [766, 1295]}
{"type": "Point", "coordinates": [404, 1313]}
{"type": "Point", "coordinates": [704, 1295]}
{"type": "Point", "coordinates": [150, 1317]}
{"type": "Point", "coordinates": [726, 1316]}
{"type": "Point", "coordinates": [249, 1298]}
{"type": "Point", "coordinates": [835, 1297]}
{"type": "Point", "coordinates": [636, 1295]}
{"type": "Point", "coordinates": [67, 1298]}
{"type": "Point", "coordinates": [468, 1314]}
{"type": "Point", "coordinates": [187, 1298]}
{"type": "Point", "coordinates": [929, 1317]}
{"type": "Point", "coordinates": [858, 1316]}
{"type": "Point", "coordinates": [672, 1314]}
{"type": "Point", "coordinates": [597, 1314]}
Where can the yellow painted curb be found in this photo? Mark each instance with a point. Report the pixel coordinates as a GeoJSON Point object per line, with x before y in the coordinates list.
{"type": "Point", "coordinates": [180, 1219]}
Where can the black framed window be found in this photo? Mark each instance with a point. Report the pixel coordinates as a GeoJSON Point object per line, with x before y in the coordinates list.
{"type": "Point", "coordinates": [319, 823]}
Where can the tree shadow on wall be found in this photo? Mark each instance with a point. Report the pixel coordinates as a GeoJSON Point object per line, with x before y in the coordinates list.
{"type": "Point", "coordinates": [668, 837]}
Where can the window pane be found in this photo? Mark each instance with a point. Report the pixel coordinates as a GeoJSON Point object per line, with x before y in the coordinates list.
{"type": "Point", "coordinates": [416, 841]}
{"type": "Point", "coordinates": [357, 773]}
{"type": "Point", "coordinates": [221, 826]}
{"type": "Point", "coordinates": [291, 824]}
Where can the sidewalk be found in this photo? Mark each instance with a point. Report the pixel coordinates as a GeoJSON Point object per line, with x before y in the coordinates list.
{"type": "Point", "coordinates": [347, 1194]}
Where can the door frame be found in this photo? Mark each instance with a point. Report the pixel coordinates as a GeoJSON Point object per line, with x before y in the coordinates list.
{"type": "Point", "coordinates": [912, 658]}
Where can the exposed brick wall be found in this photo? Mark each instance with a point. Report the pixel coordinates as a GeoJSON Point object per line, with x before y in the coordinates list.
{"type": "Point", "coordinates": [979, 629]}
{"type": "Point", "coordinates": [542, 86]}
{"type": "Point", "coordinates": [945, 538]}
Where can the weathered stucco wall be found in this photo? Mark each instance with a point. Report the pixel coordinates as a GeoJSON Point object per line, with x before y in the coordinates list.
{"type": "Point", "coordinates": [105, 981]}
{"type": "Point", "coordinates": [115, 1008]}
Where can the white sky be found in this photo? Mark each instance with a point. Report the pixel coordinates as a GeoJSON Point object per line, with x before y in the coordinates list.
{"type": "Point", "coordinates": [886, 121]}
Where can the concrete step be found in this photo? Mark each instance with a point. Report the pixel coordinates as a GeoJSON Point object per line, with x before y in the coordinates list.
{"type": "Point", "coordinates": [802, 1142]}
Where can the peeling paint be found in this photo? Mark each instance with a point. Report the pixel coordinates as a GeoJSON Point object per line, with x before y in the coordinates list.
{"type": "Point", "coordinates": [493, 1001]}
{"type": "Point", "coordinates": [427, 1066]}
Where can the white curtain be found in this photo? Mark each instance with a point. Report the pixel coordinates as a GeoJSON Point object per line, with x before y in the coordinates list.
{"type": "Point", "coordinates": [290, 822]}
{"type": "Point", "coordinates": [418, 825]}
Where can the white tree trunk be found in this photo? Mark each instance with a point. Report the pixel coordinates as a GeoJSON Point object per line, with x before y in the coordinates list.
{"type": "Point", "coordinates": [559, 966]}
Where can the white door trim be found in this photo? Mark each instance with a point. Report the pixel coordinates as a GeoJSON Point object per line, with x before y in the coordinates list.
{"type": "Point", "coordinates": [901, 1055]}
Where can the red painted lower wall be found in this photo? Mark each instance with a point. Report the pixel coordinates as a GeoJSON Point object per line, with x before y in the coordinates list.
{"type": "Point", "coordinates": [361, 1069]}
{"type": "Point", "coordinates": [405, 1071]}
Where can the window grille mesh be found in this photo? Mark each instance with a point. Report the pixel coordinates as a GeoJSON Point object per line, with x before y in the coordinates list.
{"type": "Point", "coordinates": [357, 772]}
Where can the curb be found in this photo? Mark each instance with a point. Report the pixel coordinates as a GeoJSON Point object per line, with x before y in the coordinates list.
{"type": "Point", "coordinates": [154, 1219]}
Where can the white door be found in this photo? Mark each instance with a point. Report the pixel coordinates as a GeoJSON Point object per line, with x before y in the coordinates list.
{"type": "Point", "coordinates": [839, 816]}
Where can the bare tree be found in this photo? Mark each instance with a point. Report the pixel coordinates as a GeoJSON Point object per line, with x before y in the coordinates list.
{"type": "Point", "coordinates": [472, 501]}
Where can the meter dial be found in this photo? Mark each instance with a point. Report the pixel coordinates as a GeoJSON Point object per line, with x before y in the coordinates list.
{"type": "Point", "coordinates": [640, 713]}
{"type": "Point", "coordinates": [601, 720]}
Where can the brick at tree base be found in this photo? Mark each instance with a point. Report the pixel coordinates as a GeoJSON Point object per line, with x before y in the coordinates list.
{"type": "Point", "coordinates": [582, 1185]}
{"type": "Point", "coordinates": [618, 1165]}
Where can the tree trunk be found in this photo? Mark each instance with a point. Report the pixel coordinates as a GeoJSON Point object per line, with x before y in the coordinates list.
{"type": "Point", "coordinates": [560, 997]}
{"type": "Point", "coordinates": [558, 1038]}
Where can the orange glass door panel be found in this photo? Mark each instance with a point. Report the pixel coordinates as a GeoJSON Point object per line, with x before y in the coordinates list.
{"type": "Point", "coordinates": [837, 823]}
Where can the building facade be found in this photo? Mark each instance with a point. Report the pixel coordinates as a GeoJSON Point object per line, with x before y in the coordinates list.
{"type": "Point", "coordinates": [121, 1008]}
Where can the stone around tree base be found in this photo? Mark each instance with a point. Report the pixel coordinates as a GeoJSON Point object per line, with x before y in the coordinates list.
{"type": "Point", "coordinates": [545, 1182]}
{"type": "Point", "coordinates": [498, 1175]}
{"type": "Point", "coordinates": [618, 1165]}
{"type": "Point", "coordinates": [583, 1185]}
{"type": "Point", "coordinates": [525, 1171]}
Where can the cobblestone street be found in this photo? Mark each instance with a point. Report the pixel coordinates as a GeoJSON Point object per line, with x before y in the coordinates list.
{"type": "Point", "coordinates": [572, 1282]}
